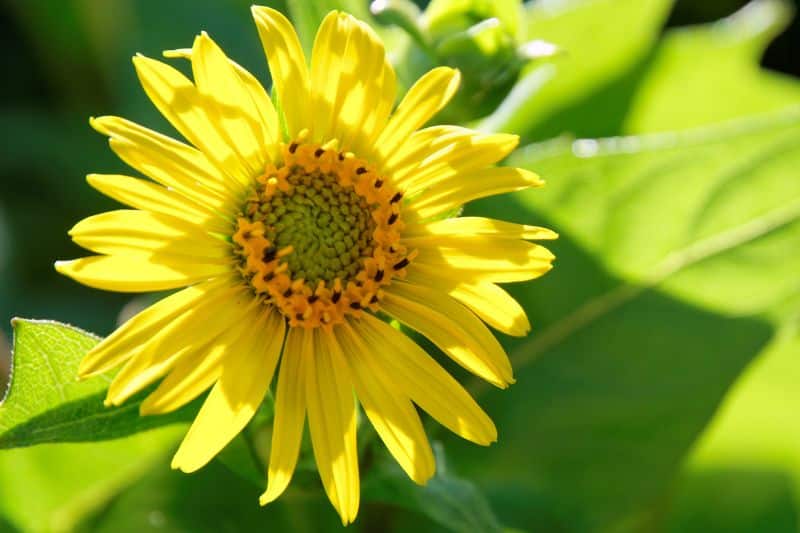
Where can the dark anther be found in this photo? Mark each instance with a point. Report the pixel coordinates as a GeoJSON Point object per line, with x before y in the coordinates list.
{"type": "Point", "coordinates": [336, 296]}
{"type": "Point", "coordinates": [319, 152]}
{"type": "Point", "coordinates": [378, 184]}
{"type": "Point", "coordinates": [355, 305]}
{"type": "Point", "coordinates": [396, 198]}
{"type": "Point", "coordinates": [401, 264]}
{"type": "Point", "coordinates": [374, 299]}
{"type": "Point", "coordinates": [247, 235]}
{"type": "Point", "coordinates": [268, 276]}
{"type": "Point", "coordinates": [313, 298]}
{"type": "Point", "coordinates": [299, 316]}
{"type": "Point", "coordinates": [379, 275]}
{"type": "Point", "coordinates": [392, 218]}
{"type": "Point", "coordinates": [292, 148]}
{"type": "Point", "coordinates": [269, 254]}
{"type": "Point", "coordinates": [287, 293]}
{"type": "Point", "coordinates": [341, 156]}
{"type": "Point", "coordinates": [360, 170]}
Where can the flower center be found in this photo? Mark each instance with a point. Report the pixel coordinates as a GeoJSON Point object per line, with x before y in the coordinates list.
{"type": "Point", "coordinates": [319, 235]}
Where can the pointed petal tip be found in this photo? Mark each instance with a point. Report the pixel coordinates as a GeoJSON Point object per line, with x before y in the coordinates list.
{"type": "Point", "coordinates": [177, 53]}
{"type": "Point", "coordinates": [178, 463]}
{"type": "Point", "coordinates": [263, 11]}
{"type": "Point", "coordinates": [268, 497]}
{"type": "Point", "coordinates": [148, 407]}
{"type": "Point", "coordinates": [86, 370]}
{"type": "Point", "coordinates": [62, 266]}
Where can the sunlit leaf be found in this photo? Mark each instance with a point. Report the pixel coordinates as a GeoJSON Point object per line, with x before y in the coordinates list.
{"type": "Point", "coordinates": [46, 403]}
{"type": "Point", "coordinates": [54, 486]}
{"type": "Point", "coordinates": [672, 257]}
{"type": "Point", "coordinates": [744, 473]}
{"type": "Point", "coordinates": [213, 499]}
{"type": "Point", "coordinates": [596, 51]}
{"type": "Point", "coordinates": [709, 73]}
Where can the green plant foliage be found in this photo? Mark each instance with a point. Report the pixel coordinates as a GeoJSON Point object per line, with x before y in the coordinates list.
{"type": "Point", "coordinates": [211, 500]}
{"type": "Point", "coordinates": [704, 74]}
{"type": "Point", "coordinates": [596, 51]}
{"type": "Point", "coordinates": [665, 243]}
{"type": "Point", "coordinates": [449, 501]}
{"type": "Point", "coordinates": [744, 473]}
{"type": "Point", "coordinates": [46, 403]}
{"type": "Point", "coordinates": [53, 487]}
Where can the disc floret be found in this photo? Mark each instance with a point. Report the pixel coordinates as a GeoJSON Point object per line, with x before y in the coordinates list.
{"type": "Point", "coordinates": [319, 235]}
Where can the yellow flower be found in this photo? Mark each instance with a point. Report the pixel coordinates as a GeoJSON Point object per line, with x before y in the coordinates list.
{"type": "Point", "coordinates": [292, 233]}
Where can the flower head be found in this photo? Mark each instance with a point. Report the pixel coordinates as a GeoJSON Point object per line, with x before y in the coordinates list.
{"type": "Point", "coordinates": [292, 231]}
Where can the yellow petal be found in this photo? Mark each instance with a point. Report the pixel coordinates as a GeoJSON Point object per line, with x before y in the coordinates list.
{"type": "Point", "coordinates": [428, 384]}
{"type": "Point", "coordinates": [259, 96]}
{"type": "Point", "coordinates": [184, 336]}
{"type": "Point", "coordinates": [121, 344]}
{"type": "Point", "coordinates": [459, 152]}
{"type": "Point", "coordinates": [287, 65]}
{"type": "Point", "coordinates": [170, 163]}
{"type": "Point", "coordinates": [233, 401]}
{"type": "Point", "coordinates": [126, 231]}
{"type": "Point", "coordinates": [132, 273]}
{"type": "Point", "coordinates": [419, 146]}
{"type": "Point", "coordinates": [141, 370]}
{"type": "Point", "coordinates": [228, 103]}
{"type": "Point", "coordinates": [389, 409]}
{"type": "Point", "coordinates": [332, 424]}
{"type": "Point", "coordinates": [193, 115]}
{"type": "Point", "coordinates": [149, 196]}
{"type": "Point", "coordinates": [353, 84]}
{"type": "Point", "coordinates": [491, 303]}
{"type": "Point", "coordinates": [483, 258]}
{"type": "Point", "coordinates": [457, 189]}
{"type": "Point", "coordinates": [451, 327]}
{"type": "Point", "coordinates": [198, 369]}
{"type": "Point", "coordinates": [290, 413]}
{"type": "Point", "coordinates": [470, 226]}
{"type": "Point", "coordinates": [423, 100]}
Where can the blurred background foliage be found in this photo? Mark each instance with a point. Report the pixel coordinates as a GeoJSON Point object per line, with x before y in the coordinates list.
{"type": "Point", "coordinates": [658, 389]}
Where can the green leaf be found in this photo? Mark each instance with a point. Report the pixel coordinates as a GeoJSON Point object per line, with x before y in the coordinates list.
{"type": "Point", "coordinates": [675, 263]}
{"type": "Point", "coordinates": [744, 472]}
{"type": "Point", "coordinates": [710, 73]}
{"type": "Point", "coordinates": [55, 486]}
{"type": "Point", "coordinates": [213, 499]}
{"type": "Point", "coordinates": [46, 403]}
{"type": "Point", "coordinates": [454, 503]}
{"type": "Point", "coordinates": [596, 52]}
{"type": "Point", "coordinates": [651, 207]}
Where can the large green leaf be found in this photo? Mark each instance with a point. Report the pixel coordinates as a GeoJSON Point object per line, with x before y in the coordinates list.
{"type": "Point", "coordinates": [211, 500]}
{"type": "Point", "coordinates": [703, 74]}
{"type": "Point", "coordinates": [46, 403]}
{"type": "Point", "coordinates": [53, 487]}
{"type": "Point", "coordinates": [596, 52]}
{"type": "Point", "coordinates": [651, 206]}
{"type": "Point", "coordinates": [673, 267]}
{"type": "Point", "coordinates": [744, 473]}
